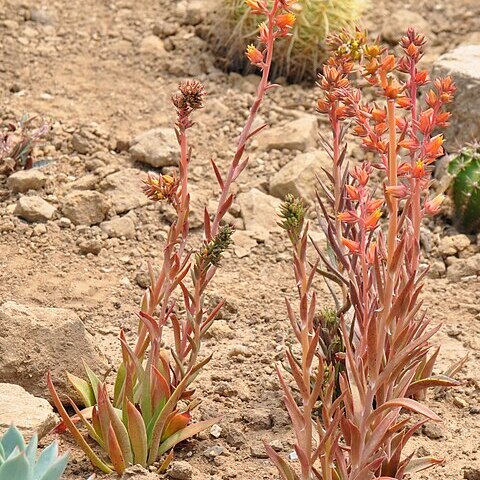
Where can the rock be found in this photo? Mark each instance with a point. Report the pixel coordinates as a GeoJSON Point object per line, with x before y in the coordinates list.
{"type": "Point", "coordinates": [180, 470]}
{"type": "Point", "coordinates": [192, 12]}
{"type": "Point", "coordinates": [85, 207]}
{"type": "Point", "coordinates": [80, 144]}
{"type": "Point", "coordinates": [119, 227]}
{"type": "Point", "coordinates": [142, 279]}
{"type": "Point", "coordinates": [257, 450]}
{"type": "Point", "coordinates": [164, 29]}
{"type": "Point", "coordinates": [452, 245]}
{"type": "Point", "coordinates": [216, 431]}
{"type": "Point", "coordinates": [39, 229]}
{"type": "Point", "coordinates": [42, 16]}
{"type": "Point", "coordinates": [298, 177]}
{"type": "Point", "coordinates": [397, 23]}
{"type": "Point", "coordinates": [437, 269]}
{"type": "Point", "coordinates": [24, 180]}
{"type": "Point", "coordinates": [259, 212]}
{"type": "Point", "coordinates": [136, 472]}
{"type": "Point", "coordinates": [243, 243]}
{"type": "Point", "coordinates": [152, 45]}
{"type": "Point", "coordinates": [432, 431]}
{"type": "Point", "coordinates": [214, 451]}
{"type": "Point", "coordinates": [463, 64]}
{"type": "Point", "coordinates": [464, 267]}
{"type": "Point", "coordinates": [90, 245]}
{"type": "Point", "coordinates": [301, 134]}
{"type": "Point", "coordinates": [157, 147]}
{"type": "Point", "coordinates": [34, 209]}
{"type": "Point", "coordinates": [125, 190]}
{"type": "Point", "coordinates": [28, 413]}
{"type": "Point", "coordinates": [64, 222]}
{"type": "Point", "coordinates": [38, 340]}
{"type": "Point", "coordinates": [472, 473]}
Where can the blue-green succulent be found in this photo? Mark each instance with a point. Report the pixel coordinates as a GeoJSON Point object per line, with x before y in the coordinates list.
{"type": "Point", "coordinates": [18, 460]}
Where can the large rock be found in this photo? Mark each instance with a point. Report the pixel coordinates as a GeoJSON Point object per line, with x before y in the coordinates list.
{"type": "Point", "coordinates": [125, 190]}
{"type": "Point", "coordinates": [299, 177]}
{"type": "Point", "coordinates": [37, 340]}
{"type": "Point", "coordinates": [395, 25]}
{"type": "Point", "coordinates": [301, 134]}
{"type": "Point", "coordinates": [34, 209]}
{"type": "Point", "coordinates": [119, 227]}
{"type": "Point", "coordinates": [157, 147]}
{"type": "Point", "coordinates": [28, 413]}
{"type": "Point", "coordinates": [259, 212]}
{"type": "Point", "coordinates": [85, 207]}
{"type": "Point", "coordinates": [464, 267]}
{"type": "Point", "coordinates": [25, 180]}
{"type": "Point", "coordinates": [463, 64]}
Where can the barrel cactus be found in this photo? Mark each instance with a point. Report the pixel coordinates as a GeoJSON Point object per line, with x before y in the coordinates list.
{"type": "Point", "coordinates": [301, 55]}
{"type": "Point", "coordinates": [465, 169]}
{"type": "Point", "coordinates": [18, 460]}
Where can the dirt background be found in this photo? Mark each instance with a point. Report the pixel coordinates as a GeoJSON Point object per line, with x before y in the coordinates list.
{"type": "Point", "coordinates": [86, 67]}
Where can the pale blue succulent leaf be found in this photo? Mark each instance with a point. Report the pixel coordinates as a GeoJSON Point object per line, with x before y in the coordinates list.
{"type": "Point", "coordinates": [46, 458]}
{"type": "Point", "coordinates": [31, 450]}
{"type": "Point", "coordinates": [56, 469]}
{"type": "Point", "coordinates": [16, 468]}
{"type": "Point", "coordinates": [12, 438]}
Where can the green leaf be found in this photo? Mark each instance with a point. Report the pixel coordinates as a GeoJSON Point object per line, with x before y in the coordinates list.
{"type": "Point", "coordinates": [83, 388]}
{"type": "Point", "coordinates": [440, 381]}
{"type": "Point", "coordinates": [185, 433]}
{"type": "Point", "coordinates": [137, 433]}
{"type": "Point", "coordinates": [93, 457]}
{"type": "Point", "coordinates": [94, 380]}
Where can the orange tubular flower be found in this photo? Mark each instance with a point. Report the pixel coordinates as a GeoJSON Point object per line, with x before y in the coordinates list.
{"type": "Point", "coordinates": [418, 170]}
{"type": "Point", "coordinates": [397, 191]}
{"type": "Point", "coordinates": [352, 192]}
{"type": "Point", "coordinates": [255, 6]}
{"type": "Point", "coordinates": [348, 216]}
{"type": "Point", "coordinates": [254, 55]}
{"type": "Point", "coordinates": [353, 246]}
{"type": "Point", "coordinates": [373, 205]}
{"type": "Point", "coordinates": [263, 32]}
{"type": "Point", "coordinates": [372, 220]}
{"type": "Point", "coordinates": [434, 147]}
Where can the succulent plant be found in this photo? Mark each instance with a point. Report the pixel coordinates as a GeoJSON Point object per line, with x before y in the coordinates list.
{"type": "Point", "coordinates": [465, 169]}
{"type": "Point", "coordinates": [301, 55]}
{"type": "Point", "coordinates": [18, 460]}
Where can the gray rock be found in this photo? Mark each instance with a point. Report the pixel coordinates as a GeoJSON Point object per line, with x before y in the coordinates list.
{"type": "Point", "coordinates": [125, 190]}
{"type": "Point", "coordinates": [472, 473]}
{"type": "Point", "coordinates": [24, 180]}
{"type": "Point", "coordinates": [301, 134]}
{"type": "Point", "coordinates": [37, 340]}
{"type": "Point", "coordinates": [119, 227]}
{"type": "Point", "coordinates": [42, 16]}
{"type": "Point", "coordinates": [85, 207]}
{"type": "Point", "coordinates": [463, 64]}
{"type": "Point", "coordinates": [180, 470]}
{"type": "Point", "coordinates": [463, 267]}
{"type": "Point", "coordinates": [90, 245]}
{"type": "Point", "coordinates": [396, 24]}
{"type": "Point", "coordinates": [157, 147]}
{"type": "Point", "coordinates": [259, 212]}
{"type": "Point", "coordinates": [34, 209]}
{"type": "Point", "coordinates": [28, 413]}
{"type": "Point", "coordinates": [80, 144]}
{"type": "Point", "coordinates": [298, 177]}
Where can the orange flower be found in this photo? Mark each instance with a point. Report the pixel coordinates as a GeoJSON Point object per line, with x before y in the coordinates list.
{"type": "Point", "coordinates": [418, 170]}
{"type": "Point", "coordinates": [431, 98]}
{"type": "Point", "coordinates": [396, 191]}
{"type": "Point", "coordinates": [348, 216]}
{"type": "Point", "coordinates": [254, 55]}
{"type": "Point", "coordinates": [353, 246]}
{"type": "Point", "coordinates": [426, 120]}
{"type": "Point", "coordinates": [372, 220]}
{"type": "Point", "coordinates": [285, 21]}
{"type": "Point", "coordinates": [404, 102]}
{"type": "Point", "coordinates": [421, 78]}
{"type": "Point", "coordinates": [373, 205]}
{"type": "Point", "coordinates": [410, 143]}
{"type": "Point", "coordinates": [352, 192]}
{"type": "Point", "coordinates": [254, 5]}
{"type": "Point", "coordinates": [434, 146]}
{"type": "Point", "coordinates": [263, 32]}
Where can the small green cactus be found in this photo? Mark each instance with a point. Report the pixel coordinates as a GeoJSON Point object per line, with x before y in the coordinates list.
{"type": "Point", "coordinates": [465, 169]}
{"type": "Point", "coordinates": [18, 460]}
{"type": "Point", "coordinates": [300, 56]}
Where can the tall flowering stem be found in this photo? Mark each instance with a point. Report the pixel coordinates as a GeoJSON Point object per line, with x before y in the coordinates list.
{"type": "Point", "coordinates": [374, 235]}
{"type": "Point", "coordinates": [152, 402]}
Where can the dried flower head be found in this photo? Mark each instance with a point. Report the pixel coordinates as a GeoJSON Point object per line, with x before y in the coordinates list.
{"type": "Point", "coordinates": [292, 213]}
{"type": "Point", "coordinates": [161, 187]}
